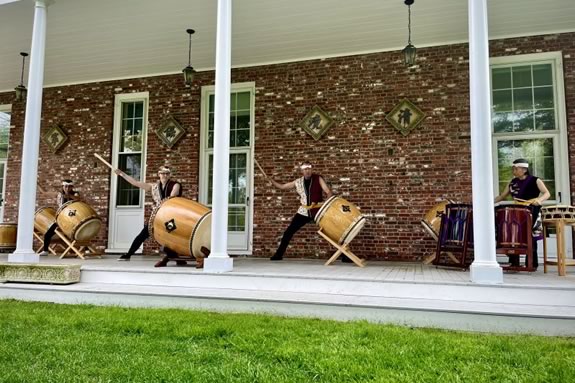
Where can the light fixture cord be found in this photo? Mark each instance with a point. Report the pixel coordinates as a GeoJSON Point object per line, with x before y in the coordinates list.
{"type": "Point", "coordinates": [409, 24]}
{"type": "Point", "coordinates": [22, 75]}
{"type": "Point", "coordinates": [190, 52]}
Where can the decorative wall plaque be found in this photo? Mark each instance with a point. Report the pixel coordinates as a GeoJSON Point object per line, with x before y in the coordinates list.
{"type": "Point", "coordinates": [55, 138]}
{"type": "Point", "coordinates": [405, 117]}
{"type": "Point", "coordinates": [316, 123]}
{"type": "Point", "coordinates": [170, 132]}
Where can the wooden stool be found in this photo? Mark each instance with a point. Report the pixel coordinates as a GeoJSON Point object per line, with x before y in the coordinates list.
{"type": "Point", "coordinates": [341, 249]}
{"type": "Point", "coordinates": [81, 249]}
{"type": "Point", "coordinates": [560, 217]}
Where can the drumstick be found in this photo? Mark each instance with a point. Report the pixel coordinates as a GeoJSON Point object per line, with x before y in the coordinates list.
{"type": "Point", "coordinates": [262, 170]}
{"type": "Point", "coordinates": [104, 161]}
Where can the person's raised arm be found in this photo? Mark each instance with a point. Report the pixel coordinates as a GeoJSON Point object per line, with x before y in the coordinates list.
{"type": "Point", "coordinates": [325, 188]}
{"type": "Point", "coordinates": [503, 195]}
{"type": "Point", "coordinates": [175, 190]}
{"type": "Point", "coordinates": [289, 185]}
{"type": "Point", "coordinates": [543, 189]}
{"type": "Point", "coordinates": [133, 181]}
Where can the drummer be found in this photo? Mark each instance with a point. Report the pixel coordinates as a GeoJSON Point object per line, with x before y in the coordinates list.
{"type": "Point", "coordinates": [310, 188]}
{"type": "Point", "coordinates": [66, 194]}
{"type": "Point", "coordinates": [526, 187]}
{"type": "Point", "coordinates": [164, 188]}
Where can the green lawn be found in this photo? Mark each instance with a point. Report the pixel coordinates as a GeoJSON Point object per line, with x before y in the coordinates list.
{"type": "Point", "coordinates": [42, 342]}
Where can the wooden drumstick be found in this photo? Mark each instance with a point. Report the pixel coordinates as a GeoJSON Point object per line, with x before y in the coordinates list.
{"type": "Point", "coordinates": [104, 161]}
{"type": "Point", "coordinates": [262, 170]}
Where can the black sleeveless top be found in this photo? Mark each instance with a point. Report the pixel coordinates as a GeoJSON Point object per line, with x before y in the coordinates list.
{"type": "Point", "coordinates": [524, 189]}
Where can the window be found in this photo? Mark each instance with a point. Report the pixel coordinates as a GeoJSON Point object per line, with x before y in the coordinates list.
{"type": "Point", "coordinates": [4, 134]}
{"type": "Point", "coordinates": [527, 110]}
{"type": "Point", "coordinates": [130, 152]}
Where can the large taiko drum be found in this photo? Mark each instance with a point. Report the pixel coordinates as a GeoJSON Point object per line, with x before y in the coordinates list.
{"type": "Point", "coordinates": [432, 220]}
{"type": "Point", "coordinates": [78, 221]}
{"type": "Point", "coordinates": [8, 232]}
{"type": "Point", "coordinates": [182, 225]}
{"type": "Point", "coordinates": [340, 220]}
{"type": "Point", "coordinates": [44, 219]}
{"type": "Point", "coordinates": [513, 225]}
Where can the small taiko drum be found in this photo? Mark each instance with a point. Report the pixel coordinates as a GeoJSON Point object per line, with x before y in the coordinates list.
{"type": "Point", "coordinates": [44, 219]}
{"type": "Point", "coordinates": [182, 225]}
{"type": "Point", "coordinates": [456, 226]}
{"type": "Point", "coordinates": [432, 220]}
{"type": "Point", "coordinates": [78, 221]}
{"type": "Point", "coordinates": [513, 225]}
{"type": "Point", "coordinates": [340, 220]}
{"type": "Point", "coordinates": [8, 232]}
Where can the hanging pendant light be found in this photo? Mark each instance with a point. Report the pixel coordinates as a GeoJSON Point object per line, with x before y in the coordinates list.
{"type": "Point", "coordinates": [189, 71]}
{"type": "Point", "coordinates": [21, 89]}
{"type": "Point", "coordinates": [409, 52]}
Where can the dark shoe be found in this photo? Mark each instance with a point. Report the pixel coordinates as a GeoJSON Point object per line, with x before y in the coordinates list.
{"type": "Point", "coordinates": [276, 258]}
{"type": "Point", "coordinates": [162, 262]}
{"type": "Point", "coordinates": [124, 257]}
{"type": "Point", "coordinates": [181, 263]}
{"type": "Point", "coordinates": [199, 263]}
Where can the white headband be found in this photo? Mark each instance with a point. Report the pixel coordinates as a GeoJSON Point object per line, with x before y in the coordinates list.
{"type": "Point", "coordinates": [64, 183]}
{"type": "Point", "coordinates": [521, 165]}
{"type": "Point", "coordinates": [305, 166]}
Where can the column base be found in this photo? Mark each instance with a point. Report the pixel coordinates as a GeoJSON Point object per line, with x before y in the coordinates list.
{"type": "Point", "coordinates": [486, 273]}
{"type": "Point", "coordinates": [218, 263]}
{"type": "Point", "coordinates": [24, 256]}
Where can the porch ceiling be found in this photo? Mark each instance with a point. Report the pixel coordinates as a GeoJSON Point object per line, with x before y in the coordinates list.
{"type": "Point", "coordinates": [106, 39]}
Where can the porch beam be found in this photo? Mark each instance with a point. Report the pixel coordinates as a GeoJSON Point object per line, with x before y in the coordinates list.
{"type": "Point", "coordinates": [485, 268]}
{"type": "Point", "coordinates": [24, 252]}
{"type": "Point", "coordinates": [219, 260]}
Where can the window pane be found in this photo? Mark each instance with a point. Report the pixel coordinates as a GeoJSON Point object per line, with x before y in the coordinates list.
{"type": "Point", "coordinates": [502, 122]}
{"type": "Point", "coordinates": [542, 74]}
{"type": "Point", "coordinates": [4, 134]}
{"type": "Point", "coordinates": [523, 121]}
{"type": "Point", "coordinates": [243, 101]}
{"type": "Point", "coordinates": [543, 97]}
{"type": "Point", "coordinates": [522, 99]}
{"type": "Point", "coordinates": [545, 120]}
{"type": "Point", "coordinates": [128, 195]}
{"type": "Point", "coordinates": [521, 76]}
{"type": "Point", "coordinates": [501, 78]}
{"type": "Point", "coordinates": [502, 101]}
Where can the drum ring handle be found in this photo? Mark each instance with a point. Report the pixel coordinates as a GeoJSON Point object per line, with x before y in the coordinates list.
{"type": "Point", "coordinates": [170, 225]}
{"type": "Point", "coordinates": [72, 213]}
{"type": "Point", "coordinates": [345, 208]}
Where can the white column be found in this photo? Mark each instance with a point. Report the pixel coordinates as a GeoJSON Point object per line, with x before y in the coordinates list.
{"type": "Point", "coordinates": [219, 260]}
{"type": "Point", "coordinates": [485, 268]}
{"type": "Point", "coordinates": [29, 174]}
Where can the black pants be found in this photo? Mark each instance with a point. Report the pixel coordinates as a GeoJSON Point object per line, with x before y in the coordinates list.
{"type": "Point", "coordinates": [298, 221]}
{"type": "Point", "coordinates": [139, 240]}
{"type": "Point", "coordinates": [48, 237]}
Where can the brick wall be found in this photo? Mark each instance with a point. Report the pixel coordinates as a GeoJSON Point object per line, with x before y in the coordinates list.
{"type": "Point", "coordinates": [394, 179]}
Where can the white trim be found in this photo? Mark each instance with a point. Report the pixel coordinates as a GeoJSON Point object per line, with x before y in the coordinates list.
{"type": "Point", "coordinates": [206, 91]}
{"type": "Point", "coordinates": [118, 100]}
{"type": "Point", "coordinates": [300, 59]}
{"type": "Point", "coordinates": [555, 58]}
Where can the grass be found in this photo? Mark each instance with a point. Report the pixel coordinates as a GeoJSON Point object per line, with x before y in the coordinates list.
{"type": "Point", "coordinates": [41, 342]}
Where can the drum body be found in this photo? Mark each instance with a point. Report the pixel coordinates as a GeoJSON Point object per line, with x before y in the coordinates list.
{"type": "Point", "coordinates": [44, 219]}
{"type": "Point", "coordinates": [78, 221]}
{"type": "Point", "coordinates": [340, 220]}
{"type": "Point", "coordinates": [456, 229]}
{"type": "Point", "coordinates": [513, 225]}
{"type": "Point", "coordinates": [8, 232]}
{"type": "Point", "coordinates": [182, 225]}
{"type": "Point", "coordinates": [432, 220]}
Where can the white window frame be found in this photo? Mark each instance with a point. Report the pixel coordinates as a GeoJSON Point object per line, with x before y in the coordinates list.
{"type": "Point", "coordinates": [562, 180]}
{"type": "Point", "coordinates": [204, 152]}
{"type": "Point", "coordinates": [5, 108]}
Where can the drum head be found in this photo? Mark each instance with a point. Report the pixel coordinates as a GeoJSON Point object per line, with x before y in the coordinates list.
{"type": "Point", "coordinates": [88, 230]}
{"type": "Point", "coordinates": [354, 230]}
{"type": "Point", "coordinates": [320, 213]}
{"type": "Point", "coordinates": [201, 236]}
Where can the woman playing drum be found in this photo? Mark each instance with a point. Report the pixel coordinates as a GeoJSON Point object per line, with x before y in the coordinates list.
{"type": "Point", "coordinates": [525, 187]}
{"type": "Point", "coordinates": [66, 194]}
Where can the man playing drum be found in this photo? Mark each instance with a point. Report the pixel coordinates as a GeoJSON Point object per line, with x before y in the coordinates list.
{"type": "Point", "coordinates": [164, 188]}
{"type": "Point", "coordinates": [310, 188]}
{"type": "Point", "coordinates": [525, 187]}
{"type": "Point", "coordinates": [65, 195]}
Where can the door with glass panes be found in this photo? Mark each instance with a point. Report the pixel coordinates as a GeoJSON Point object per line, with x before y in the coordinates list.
{"type": "Point", "coordinates": [240, 175]}
{"type": "Point", "coordinates": [4, 140]}
{"type": "Point", "coordinates": [529, 121]}
{"type": "Point", "coordinates": [128, 154]}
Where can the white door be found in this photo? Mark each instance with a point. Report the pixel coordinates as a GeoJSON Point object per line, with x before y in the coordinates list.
{"type": "Point", "coordinates": [4, 141]}
{"type": "Point", "coordinates": [128, 154]}
{"type": "Point", "coordinates": [240, 190]}
{"type": "Point", "coordinates": [529, 122]}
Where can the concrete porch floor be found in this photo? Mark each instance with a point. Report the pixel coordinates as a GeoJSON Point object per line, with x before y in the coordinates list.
{"type": "Point", "coordinates": [387, 292]}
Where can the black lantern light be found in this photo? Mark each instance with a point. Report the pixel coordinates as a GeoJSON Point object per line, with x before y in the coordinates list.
{"type": "Point", "coordinates": [409, 51]}
{"type": "Point", "coordinates": [21, 89]}
{"type": "Point", "coordinates": [189, 70]}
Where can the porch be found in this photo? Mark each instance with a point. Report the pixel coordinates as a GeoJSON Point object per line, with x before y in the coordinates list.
{"type": "Point", "coordinates": [410, 294]}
